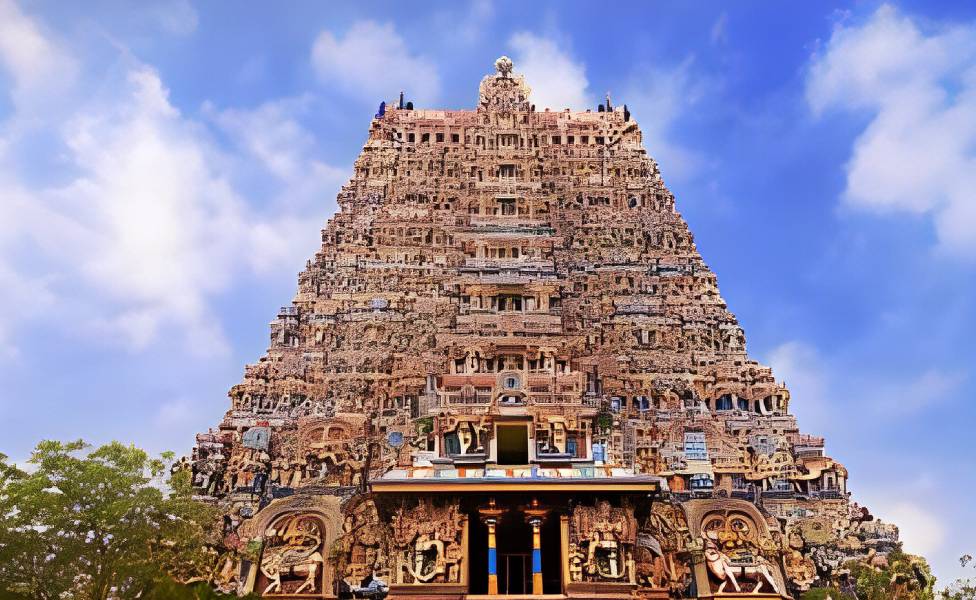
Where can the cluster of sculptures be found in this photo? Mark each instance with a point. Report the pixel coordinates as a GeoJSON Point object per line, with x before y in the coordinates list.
{"type": "Point", "coordinates": [508, 294]}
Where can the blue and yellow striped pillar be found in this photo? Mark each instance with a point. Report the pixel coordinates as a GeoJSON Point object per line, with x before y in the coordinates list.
{"type": "Point", "coordinates": [492, 557]}
{"type": "Point", "coordinates": [536, 555]}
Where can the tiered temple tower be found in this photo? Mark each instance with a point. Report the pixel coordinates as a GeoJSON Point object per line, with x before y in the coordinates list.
{"type": "Point", "coordinates": [508, 371]}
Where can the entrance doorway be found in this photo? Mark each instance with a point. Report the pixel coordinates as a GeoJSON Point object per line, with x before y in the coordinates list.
{"type": "Point", "coordinates": [513, 540]}
{"type": "Point", "coordinates": [513, 444]}
{"type": "Point", "coordinates": [514, 555]}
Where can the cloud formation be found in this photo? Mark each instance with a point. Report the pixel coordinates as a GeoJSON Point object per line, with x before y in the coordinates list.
{"type": "Point", "coordinates": [658, 96]}
{"type": "Point", "coordinates": [918, 153]}
{"type": "Point", "coordinates": [141, 224]}
{"type": "Point", "coordinates": [373, 63]}
{"type": "Point", "coordinates": [36, 64]}
{"type": "Point", "coordinates": [557, 81]}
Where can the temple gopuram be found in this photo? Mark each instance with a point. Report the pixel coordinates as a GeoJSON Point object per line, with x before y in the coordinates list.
{"type": "Point", "coordinates": [509, 372]}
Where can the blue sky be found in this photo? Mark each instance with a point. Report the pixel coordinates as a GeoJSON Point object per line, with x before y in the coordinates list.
{"type": "Point", "coordinates": [165, 169]}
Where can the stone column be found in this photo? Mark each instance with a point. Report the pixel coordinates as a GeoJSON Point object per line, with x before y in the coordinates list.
{"type": "Point", "coordinates": [534, 515]}
{"type": "Point", "coordinates": [490, 515]}
{"type": "Point", "coordinates": [536, 523]}
{"type": "Point", "coordinates": [492, 557]}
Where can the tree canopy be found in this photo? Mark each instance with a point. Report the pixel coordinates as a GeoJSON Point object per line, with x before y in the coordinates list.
{"type": "Point", "coordinates": [97, 523]}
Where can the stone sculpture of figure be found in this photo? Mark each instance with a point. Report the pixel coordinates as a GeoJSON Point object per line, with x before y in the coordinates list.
{"type": "Point", "coordinates": [465, 437]}
{"type": "Point", "coordinates": [504, 66]}
{"type": "Point", "coordinates": [605, 537]}
{"type": "Point", "coordinates": [429, 540]}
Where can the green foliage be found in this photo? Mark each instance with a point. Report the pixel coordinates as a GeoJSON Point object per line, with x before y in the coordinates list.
{"type": "Point", "coordinates": [425, 425]}
{"type": "Point", "coordinates": [90, 524]}
{"type": "Point", "coordinates": [170, 590]}
{"type": "Point", "coordinates": [822, 594]}
{"type": "Point", "coordinates": [604, 422]}
{"type": "Point", "coordinates": [906, 577]}
{"type": "Point", "coordinates": [961, 589]}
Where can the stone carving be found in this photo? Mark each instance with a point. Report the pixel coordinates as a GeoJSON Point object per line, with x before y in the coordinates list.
{"type": "Point", "coordinates": [732, 552]}
{"type": "Point", "coordinates": [361, 552]}
{"type": "Point", "coordinates": [604, 539]}
{"type": "Point", "coordinates": [504, 66]}
{"type": "Point", "coordinates": [428, 538]}
{"type": "Point", "coordinates": [505, 265]}
{"type": "Point", "coordinates": [662, 549]}
{"type": "Point", "coordinates": [293, 549]}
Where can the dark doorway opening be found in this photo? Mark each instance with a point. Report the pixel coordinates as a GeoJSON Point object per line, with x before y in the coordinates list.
{"type": "Point", "coordinates": [477, 555]}
{"type": "Point", "coordinates": [513, 540]}
{"type": "Point", "coordinates": [513, 444]}
{"type": "Point", "coordinates": [552, 560]}
{"type": "Point", "coordinates": [514, 537]}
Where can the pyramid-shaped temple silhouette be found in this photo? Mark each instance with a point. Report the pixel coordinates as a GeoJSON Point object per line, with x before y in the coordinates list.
{"type": "Point", "coordinates": [508, 371]}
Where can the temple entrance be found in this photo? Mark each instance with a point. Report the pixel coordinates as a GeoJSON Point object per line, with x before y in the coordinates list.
{"type": "Point", "coordinates": [514, 554]}
{"type": "Point", "coordinates": [513, 444]}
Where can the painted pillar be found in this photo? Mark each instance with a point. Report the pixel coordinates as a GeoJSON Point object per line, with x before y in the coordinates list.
{"type": "Point", "coordinates": [536, 556]}
{"type": "Point", "coordinates": [492, 558]}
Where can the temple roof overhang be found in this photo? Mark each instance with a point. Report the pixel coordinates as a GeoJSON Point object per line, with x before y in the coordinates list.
{"type": "Point", "coordinates": [648, 485]}
{"type": "Point", "coordinates": [518, 480]}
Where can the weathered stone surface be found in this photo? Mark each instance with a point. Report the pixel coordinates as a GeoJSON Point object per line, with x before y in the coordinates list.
{"type": "Point", "coordinates": [498, 268]}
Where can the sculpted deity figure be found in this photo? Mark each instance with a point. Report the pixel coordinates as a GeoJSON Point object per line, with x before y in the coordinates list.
{"type": "Point", "coordinates": [428, 537]}
{"type": "Point", "coordinates": [605, 539]}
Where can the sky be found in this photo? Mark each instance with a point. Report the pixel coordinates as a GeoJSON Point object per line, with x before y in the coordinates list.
{"type": "Point", "coordinates": [166, 167]}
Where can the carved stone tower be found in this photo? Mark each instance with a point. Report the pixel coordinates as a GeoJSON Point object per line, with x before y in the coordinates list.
{"type": "Point", "coordinates": [508, 371]}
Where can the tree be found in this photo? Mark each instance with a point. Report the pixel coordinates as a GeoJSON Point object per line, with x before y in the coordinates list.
{"type": "Point", "coordinates": [904, 577]}
{"type": "Point", "coordinates": [94, 524]}
{"type": "Point", "coordinates": [961, 589]}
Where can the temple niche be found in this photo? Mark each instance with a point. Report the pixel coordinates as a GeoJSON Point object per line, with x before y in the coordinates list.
{"type": "Point", "coordinates": [507, 371]}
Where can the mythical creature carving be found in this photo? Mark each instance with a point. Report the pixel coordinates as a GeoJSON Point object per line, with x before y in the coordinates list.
{"type": "Point", "coordinates": [733, 552]}
{"type": "Point", "coordinates": [294, 549]}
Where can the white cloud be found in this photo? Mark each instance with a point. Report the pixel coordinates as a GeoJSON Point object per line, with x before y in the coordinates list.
{"type": "Point", "coordinates": [557, 81]}
{"type": "Point", "coordinates": [22, 298]}
{"type": "Point", "coordinates": [907, 395]}
{"type": "Point", "coordinates": [149, 231]}
{"type": "Point", "coordinates": [153, 228]}
{"type": "Point", "coordinates": [373, 63]}
{"type": "Point", "coordinates": [36, 64]}
{"type": "Point", "coordinates": [146, 225]}
{"type": "Point", "coordinates": [918, 154]}
{"type": "Point", "coordinates": [921, 530]}
{"type": "Point", "coordinates": [658, 96]}
{"type": "Point", "coordinates": [273, 135]}
{"type": "Point", "coordinates": [818, 386]}
{"type": "Point", "coordinates": [802, 369]}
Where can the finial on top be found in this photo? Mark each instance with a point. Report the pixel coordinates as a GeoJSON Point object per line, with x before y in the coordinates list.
{"type": "Point", "coordinates": [504, 66]}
